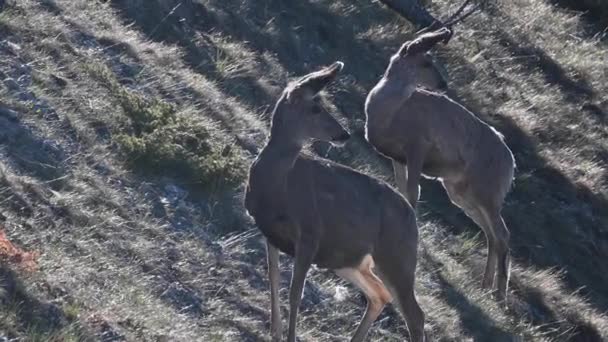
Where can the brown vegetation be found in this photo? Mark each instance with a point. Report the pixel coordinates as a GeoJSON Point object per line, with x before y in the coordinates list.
{"type": "Point", "coordinates": [15, 255]}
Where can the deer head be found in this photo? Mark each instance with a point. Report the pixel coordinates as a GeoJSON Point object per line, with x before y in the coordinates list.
{"type": "Point", "coordinates": [414, 64]}
{"type": "Point", "coordinates": [299, 115]}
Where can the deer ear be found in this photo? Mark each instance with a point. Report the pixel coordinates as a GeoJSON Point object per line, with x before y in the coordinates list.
{"type": "Point", "coordinates": [426, 41]}
{"type": "Point", "coordinates": [316, 81]}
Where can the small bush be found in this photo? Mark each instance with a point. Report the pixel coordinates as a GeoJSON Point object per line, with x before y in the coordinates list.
{"type": "Point", "coordinates": [161, 142]}
{"type": "Point", "coordinates": [185, 149]}
{"type": "Point", "coordinates": [146, 116]}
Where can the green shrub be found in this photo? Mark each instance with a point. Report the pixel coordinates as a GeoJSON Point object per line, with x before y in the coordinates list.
{"type": "Point", "coordinates": [183, 148]}
{"type": "Point", "coordinates": [161, 142]}
{"type": "Point", "coordinates": [146, 116]}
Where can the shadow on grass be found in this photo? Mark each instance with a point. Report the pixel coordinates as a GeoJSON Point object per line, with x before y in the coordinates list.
{"type": "Point", "coordinates": [576, 90]}
{"type": "Point", "coordinates": [32, 317]}
{"type": "Point", "coordinates": [540, 314]}
{"type": "Point", "coordinates": [594, 12]}
{"type": "Point", "coordinates": [475, 322]}
{"type": "Point", "coordinates": [246, 334]}
{"type": "Point", "coordinates": [29, 153]}
{"type": "Point", "coordinates": [51, 6]}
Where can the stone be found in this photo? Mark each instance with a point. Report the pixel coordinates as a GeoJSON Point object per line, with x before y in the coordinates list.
{"type": "Point", "coordinates": [9, 113]}
{"type": "Point", "coordinates": [60, 81]}
{"type": "Point", "coordinates": [11, 84]}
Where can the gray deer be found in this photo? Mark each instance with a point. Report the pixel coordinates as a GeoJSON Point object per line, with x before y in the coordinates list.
{"type": "Point", "coordinates": [327, 214]}
{"type": "Point", "coordinates": [430, 134]}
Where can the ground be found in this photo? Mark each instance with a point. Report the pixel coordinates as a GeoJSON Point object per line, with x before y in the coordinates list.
{"type": "Point", "coordinates": [126, 129]}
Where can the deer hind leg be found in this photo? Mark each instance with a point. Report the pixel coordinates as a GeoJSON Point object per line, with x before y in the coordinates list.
{"type": "Point", "coordinates": [395, 259]}
{"type": "Point", "coordinates": [399, 277]}
{"type": "Point", "coordinates": [376, 294]}
{"type": "Point", "coordinates": [276, 329]}
{"type": "Point", "coordinates": [463, 198]}
{"type": "Point", "coordinates": [501, 250]}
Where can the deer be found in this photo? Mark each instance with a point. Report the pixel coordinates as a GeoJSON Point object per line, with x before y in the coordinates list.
{"type": "Point", "coordinates": [429, 134]}
{"type": "Point", "coordinates": [324, 213]}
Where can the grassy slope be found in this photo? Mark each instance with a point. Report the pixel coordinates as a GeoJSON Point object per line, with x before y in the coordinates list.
{"type": "Point", "coordinates": [156, 255]}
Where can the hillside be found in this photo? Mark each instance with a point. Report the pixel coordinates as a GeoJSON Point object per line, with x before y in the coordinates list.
{"type": "Point", "coordinates": [127, 126]}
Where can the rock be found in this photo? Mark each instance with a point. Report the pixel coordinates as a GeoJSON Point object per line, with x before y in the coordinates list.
{"type": "Point", "coordinates": [24, 80]}
{"type": "Point", "coordinates": [11, 84]}
{"type": "Point", "coordinates": [174, 193]}
{"type": "Point", "coordinates": [158, 209]}
{"type": "Point", "coordinates": [181, 218]}
{"type": "Point", "coordinates": [108, 333]}
{"type": "Point", "coordinates": [26, 96]}
{"type": "Point", "coordinates": [9, 114]}
{"type": "Point", "coordinates": [60, 81]}
{"type": "Point", "coordinates": [183, 298]}
{"type": "Point", "coordinates": [162, 338]}
{"type": "Point", "coordinates": [24, 68]}
{"type": "Point", "coordinates": [10, 47]}
{"type": "Point", "coordinates": [312, 295]}
{"type": "Point", "coordinates": [53, 148]}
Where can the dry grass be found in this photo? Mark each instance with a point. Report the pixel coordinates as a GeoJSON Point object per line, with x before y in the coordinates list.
{"type": "Point", "coordinates": [152, 256]}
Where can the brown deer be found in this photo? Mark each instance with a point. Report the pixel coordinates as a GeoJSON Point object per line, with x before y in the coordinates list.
{"type": "Point", "coordinates": [430, 134]}
{"type": "Point", "coordinates": [327, 214]}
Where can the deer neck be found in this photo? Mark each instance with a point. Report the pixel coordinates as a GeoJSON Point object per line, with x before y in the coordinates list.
{"type": "Point", "coordinates": [273, 166]}
{"type": "Point", "coordinates": [384, 102]}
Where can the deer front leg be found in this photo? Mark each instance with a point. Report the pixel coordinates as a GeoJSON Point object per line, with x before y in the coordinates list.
{"type": "Point", "coordinates": [303, 260]}
{"type": "Point", "coordinates": [276, 329]}
{"type": "Point", "coordinates": [400, 177]}
{"type": "Point", "coordinates": [414, 169]}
